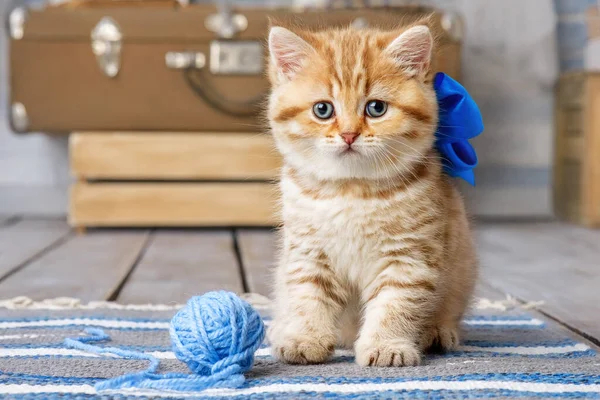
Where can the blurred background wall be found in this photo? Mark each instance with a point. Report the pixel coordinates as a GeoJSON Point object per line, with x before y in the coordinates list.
{"type": "Point", "coordinates": [509, 65]}
{"type": "Point", "coordinates": [34, 173]}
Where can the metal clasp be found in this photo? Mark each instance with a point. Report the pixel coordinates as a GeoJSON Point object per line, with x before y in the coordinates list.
{"type": "Point", "coordinates": [16, 23]}
{"type": "Point", "coordinates": [106, 45]}
{"type": "Point", "coordinates": [225, 24]}
{"type": "Point", "coordinates": [230, 57]}
{"type": "Point", "coordinates": [18, 117]}
{"type": "Point", "coordinates": [184, 60]}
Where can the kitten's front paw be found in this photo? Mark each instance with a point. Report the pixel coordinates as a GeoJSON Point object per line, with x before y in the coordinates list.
{"type": "Point", "coordinates": [303, 349]}
{"type": "Point", "coordinates": [442, 339]}
{"type": "Point", "coordinates": [387, 353]}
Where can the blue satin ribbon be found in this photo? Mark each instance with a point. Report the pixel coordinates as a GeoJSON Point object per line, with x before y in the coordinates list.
{"type": "Point", "coordinates": [459, 121]}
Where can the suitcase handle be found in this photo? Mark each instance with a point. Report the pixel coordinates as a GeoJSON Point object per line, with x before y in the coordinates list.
{"type": "Point", "coordinates": [201, 86]}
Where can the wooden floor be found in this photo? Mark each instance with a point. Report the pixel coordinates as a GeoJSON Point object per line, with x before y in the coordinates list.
{"type": "Point", "coordinates": [554, 263]}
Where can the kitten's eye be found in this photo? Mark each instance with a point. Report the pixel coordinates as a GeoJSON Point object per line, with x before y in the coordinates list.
{"type": "Point", "coordinates": [376, 108]}
{"type": "Point", "coordinates": [323, 110]}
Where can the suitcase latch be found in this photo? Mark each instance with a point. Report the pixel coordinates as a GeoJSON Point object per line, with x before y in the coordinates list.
{"type": "Point", "coordinates": [19, 120]}
{"type": "Point", "coordinates": [232, 57]}
{"type": "Point", "coordinates": [106, 46]}
{"type": "Point", "coordinates": [225, 23]}
{"type": "Point", "coordinates": [185, 60]}
{"type": "Point", "coordinates": [16, 23]}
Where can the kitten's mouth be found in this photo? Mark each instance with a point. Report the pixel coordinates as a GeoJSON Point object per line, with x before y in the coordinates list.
{"type": "Point", "coordinates": [348, 151]}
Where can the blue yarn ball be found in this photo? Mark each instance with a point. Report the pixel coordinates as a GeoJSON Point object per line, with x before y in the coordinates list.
{"type": "Point", "coordinates": [217, 334]}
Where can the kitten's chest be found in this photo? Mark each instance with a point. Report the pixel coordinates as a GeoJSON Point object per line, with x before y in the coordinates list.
{"type": "Point", "coordinates": [348, 231]}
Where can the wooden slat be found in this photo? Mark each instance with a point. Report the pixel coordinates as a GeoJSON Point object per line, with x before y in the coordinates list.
{"type": "Point", "coordinates": [569, 141]}
{"type": "Point", "coordinates": [191, 156]}
{"type": "Point", "coordinates": [179, 265]}
{"type": "Point", "coordinates": [258, 254]}
{"type": "Point", "coordinates": [551, 262]}
{"type": "Point", "coordinates": [173, 204]}
{"type": "Point", "coordinates": [571, 89]}
{"type": "Point", "coordinates": [26, 239]}
{"type": "Point", "coordinates": [88, 267]}
{"type": "Point", "coordinates": [591, 172]}
{"type": "Point", "coordinates": [576, 186]}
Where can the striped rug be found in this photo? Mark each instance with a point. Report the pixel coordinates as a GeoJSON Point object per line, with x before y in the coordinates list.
{"type": "Point", "coordinates": [505, 354]}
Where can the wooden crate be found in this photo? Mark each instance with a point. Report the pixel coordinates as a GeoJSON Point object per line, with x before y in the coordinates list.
{"type": "Point", "coordinates": [173, 179]}
{"type": "Point", "coordinates": [576, 181]}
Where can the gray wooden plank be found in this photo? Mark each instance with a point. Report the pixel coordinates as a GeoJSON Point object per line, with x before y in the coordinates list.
{"type": "Point", "coordinates": [88, 267]}
{"type": "Point", "coordinates": [485, 290]}
{"type": "Point", "coordinates": [258, 254]}
{"type": "Point", "coordinates": [26, 239]}
{"type": "Point", "coordinates": [550, 262]}
{"type": "Point", "coordinates": [180, 264]}
{"type": "Point", "coordinates": [6, 219]}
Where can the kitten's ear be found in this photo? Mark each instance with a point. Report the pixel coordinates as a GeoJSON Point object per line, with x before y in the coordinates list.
{"type": "Point", "coordinates": [412, 50]}
{"type": "Point", "coordinates": [288, 51]}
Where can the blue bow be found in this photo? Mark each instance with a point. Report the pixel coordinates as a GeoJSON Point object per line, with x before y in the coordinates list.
{"type": "Point", "coordinates": [460, 120]}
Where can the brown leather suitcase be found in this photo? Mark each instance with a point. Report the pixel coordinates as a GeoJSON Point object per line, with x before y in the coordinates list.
{"type": "Point", "coordinates": [172, 68]}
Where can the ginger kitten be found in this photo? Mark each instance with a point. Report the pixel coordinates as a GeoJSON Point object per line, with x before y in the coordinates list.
{"type": "Point", "coordinates": [376, 251]}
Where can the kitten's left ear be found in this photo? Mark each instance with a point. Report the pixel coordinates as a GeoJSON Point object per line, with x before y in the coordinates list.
{"type": "Point", "coordinates": [412, 50]}
{"type": "Point", "coordinates": [288, 51]}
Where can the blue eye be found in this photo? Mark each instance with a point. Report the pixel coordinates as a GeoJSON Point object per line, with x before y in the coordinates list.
{"type": "Point", "coordinates": [323, 110]}
{"type": "Point", "coordinates": [376, 108]}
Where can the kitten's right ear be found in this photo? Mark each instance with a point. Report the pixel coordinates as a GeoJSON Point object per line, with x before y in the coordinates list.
{"type": "Point", "coordinates": [288, 51]}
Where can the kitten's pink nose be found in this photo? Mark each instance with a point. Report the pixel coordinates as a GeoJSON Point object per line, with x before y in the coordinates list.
{"type": "Point", "coordinates": [349, 137]}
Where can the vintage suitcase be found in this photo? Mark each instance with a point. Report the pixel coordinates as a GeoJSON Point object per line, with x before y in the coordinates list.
{"type": "Point", "coordinates": [151, 68]}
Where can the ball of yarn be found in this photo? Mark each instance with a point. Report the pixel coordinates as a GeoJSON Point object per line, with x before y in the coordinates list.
{"type": "Point", "coordinates": [216, 334]}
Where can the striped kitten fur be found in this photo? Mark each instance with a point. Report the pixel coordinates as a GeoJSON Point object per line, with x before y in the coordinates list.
{"type": "Point", "coordinates": [376, 248]}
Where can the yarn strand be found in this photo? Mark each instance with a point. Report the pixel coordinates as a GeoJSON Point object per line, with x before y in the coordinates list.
{"type": "Point", "coordinates": [216, 335]}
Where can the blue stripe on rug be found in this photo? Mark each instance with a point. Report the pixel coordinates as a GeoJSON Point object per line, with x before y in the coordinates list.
{"type": "Point", "coordinates": [396, 395]}
{"type": "Point", "coordinates": [476, 354]}
{"type": "Point", "coordinates": [477, 343]}
{"type": "Point", "coordinates": [459, 386]}
{"type": "Point", "coordinates": [109, 323]}
{"type": "Point", "coordinates": [564, 348]}
{"type": "Point", "coordinates": [95, 317]}
{"type": "Point", "coordinates": [559, 378]}
{"type": "Point", "coordinates": [19, 378]}
{"type": "Point", "coordinates": [557, 345]}
{"type": "Point", "coordinates": [111, 318]}
{"type": "Point", "coordinates": [405, 394]}
{"type": "Point", "coordinates": [513, 317]}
